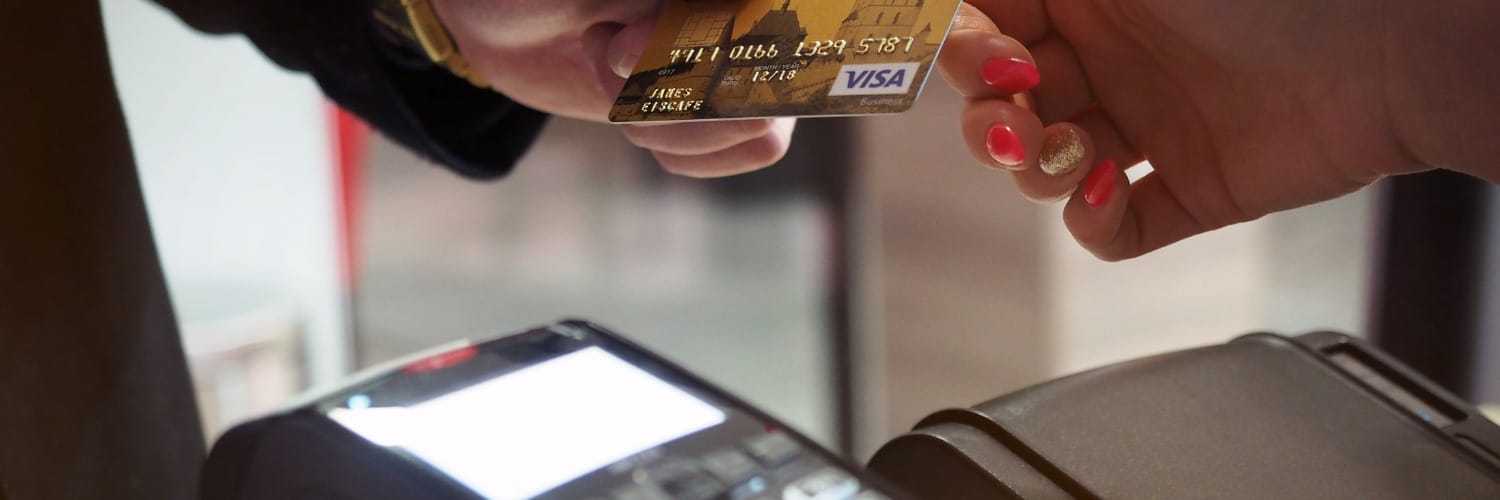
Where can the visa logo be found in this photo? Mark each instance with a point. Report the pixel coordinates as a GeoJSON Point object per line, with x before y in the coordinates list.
{"type": "Point", "coordinates": [874, 79]}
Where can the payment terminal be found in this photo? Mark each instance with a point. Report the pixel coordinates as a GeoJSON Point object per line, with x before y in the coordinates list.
{"type": "Point", "coordinates": [566, 411]}
{"type": "Point", "coordinates": [1321, 415]}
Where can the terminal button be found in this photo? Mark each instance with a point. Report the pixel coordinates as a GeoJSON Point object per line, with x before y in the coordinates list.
{"type": "Point", "coordinates": [730, 466]}
{"type": "Point", "coordinates": [640, 492]}
{"type": "Point", "coordinates": [826, 484]}
{"type": "Point", "coordinates": [773, 449]}
{"type": "Point", "coordinates": [684, 480]}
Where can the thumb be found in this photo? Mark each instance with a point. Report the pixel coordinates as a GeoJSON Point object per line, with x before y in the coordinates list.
{"type": "Point", "coordinates": [625, 49]}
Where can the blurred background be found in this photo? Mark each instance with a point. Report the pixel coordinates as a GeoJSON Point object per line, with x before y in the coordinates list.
{"type": "Point", "coordinates": [875, 276]}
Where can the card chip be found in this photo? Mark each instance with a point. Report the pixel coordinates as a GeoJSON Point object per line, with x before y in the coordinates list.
{"type": "Point", "coordinates": [704, 29]}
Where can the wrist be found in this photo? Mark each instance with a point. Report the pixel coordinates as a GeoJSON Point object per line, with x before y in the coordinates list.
{"type": "Point", "coordinates": [1441, 79]}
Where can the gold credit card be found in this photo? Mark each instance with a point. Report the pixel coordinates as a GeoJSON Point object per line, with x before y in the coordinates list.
{"type": "Point", "coordinates": [725, 59]}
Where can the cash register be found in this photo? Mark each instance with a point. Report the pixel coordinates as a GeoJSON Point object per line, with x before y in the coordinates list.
{"type": "Point", "coordinates": [572, 410]}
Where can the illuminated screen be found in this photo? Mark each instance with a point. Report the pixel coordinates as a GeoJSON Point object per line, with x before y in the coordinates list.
{"type": "Point", "coordinates": [537, 428]}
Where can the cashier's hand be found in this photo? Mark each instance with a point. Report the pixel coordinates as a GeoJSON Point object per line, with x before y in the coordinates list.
{"type": "Point", "coordinates": [570, 58]}
{"type": "Point", "coordinates": [1242, 108]}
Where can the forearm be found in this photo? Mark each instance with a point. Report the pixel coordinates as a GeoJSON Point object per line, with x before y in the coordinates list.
{"type": "Point", "coordinates": [1442, 77]}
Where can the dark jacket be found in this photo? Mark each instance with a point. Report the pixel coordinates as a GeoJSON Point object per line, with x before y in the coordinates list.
{"type": "Point", "coordinates": [476, 132]}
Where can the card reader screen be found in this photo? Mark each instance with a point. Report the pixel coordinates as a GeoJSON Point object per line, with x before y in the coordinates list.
{"type": "Point", "coordinates": [537, 428]}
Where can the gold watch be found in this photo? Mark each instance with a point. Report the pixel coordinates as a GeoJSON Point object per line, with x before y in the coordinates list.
{"type": "Point", "coordinates": [414, 24]}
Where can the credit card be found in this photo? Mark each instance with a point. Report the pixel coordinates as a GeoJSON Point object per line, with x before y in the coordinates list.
{"type": "Point", "coordinates": [727, 59]}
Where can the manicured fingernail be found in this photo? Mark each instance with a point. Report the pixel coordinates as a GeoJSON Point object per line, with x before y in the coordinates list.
{"type": "Point", "coordinates": [1005, 146]}
{"type": "Point", "coordinates": [1011, 75]}
{"type": "Point", "coordinates": [1062, 151]}
{"type": "Point", "coordinates": [624, 63]}
{"type": "Point", "coordinates": [1099, 184]}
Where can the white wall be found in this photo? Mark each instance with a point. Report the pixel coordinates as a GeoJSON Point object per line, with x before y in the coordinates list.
{"type": "Point", "coordinates": [1289, 273]}
{"type": "Point", "coordinates": [1488, 360]}
{"type": "Point", "coordinates": [236, 164]}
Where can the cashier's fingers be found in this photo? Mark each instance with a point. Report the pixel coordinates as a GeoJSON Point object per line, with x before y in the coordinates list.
{"type": "Point", "coordinates": [696, 138]}
{"type": "Point", "coordinates": [1062, 162]}
{"type": "Point", "coordinates": [1001, 134]}
{"type": "Point", "coordinates": [1116, 220]}
{"type": "Point", "coordinates": [1000, 48]}
{"type": "Point", "coordinates": [1067, 92]}
{"type": "Point", "coordinates": [980, 62]}
{"type": "Point", "coordinates": [750, 155]}
{"type": "Point", "coordinates": [1045, 162]}
{"type": "Point", "coordinates": [1108, 142]}
{"type": "Point", "coordinates": [1024, 20]}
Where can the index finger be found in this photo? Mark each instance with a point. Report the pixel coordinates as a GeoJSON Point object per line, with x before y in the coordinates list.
{"type": "Point", "coordinates": [1023, 20]}
{"type": "Point", "coordinates": [974, 41]}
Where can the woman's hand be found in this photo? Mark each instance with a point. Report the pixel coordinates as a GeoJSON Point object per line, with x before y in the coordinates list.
{"type": "Point", "coordinates": [1242, 108]}
{"type": "Point", "coordinates": [570, 58]}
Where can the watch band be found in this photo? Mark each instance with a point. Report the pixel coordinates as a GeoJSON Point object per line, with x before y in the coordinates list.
{"type": "Point", "coordinates": [414, 24]}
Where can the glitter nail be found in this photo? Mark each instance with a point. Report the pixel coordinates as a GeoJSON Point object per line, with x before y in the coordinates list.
{"type": "Point", "coordinates": [1062, 151]}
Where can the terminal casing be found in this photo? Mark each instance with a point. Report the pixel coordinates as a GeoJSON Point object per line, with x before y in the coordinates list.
{"type": "Point", "coordinates": [1264, 416]}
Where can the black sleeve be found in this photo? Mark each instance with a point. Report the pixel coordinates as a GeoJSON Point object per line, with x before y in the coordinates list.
{"type": "Point", "coordinates": [476, 132]}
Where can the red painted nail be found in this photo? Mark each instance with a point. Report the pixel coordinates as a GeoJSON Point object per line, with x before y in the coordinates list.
{"type": "Point", "coordinates": [1011, 75]}
{"type": "Point", "coordinates": [1005, 146]}
{"type": "Point", "coordinates": [1100, 183]}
